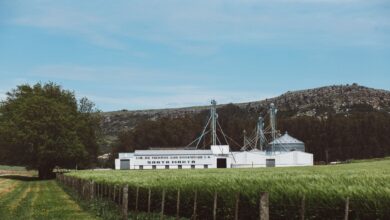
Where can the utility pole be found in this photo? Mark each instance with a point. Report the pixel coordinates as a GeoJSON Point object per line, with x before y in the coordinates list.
{"type": "Point", "coordinates": [260, 133]}
{"type": "Point", "coordinates": [273, 111]}
{"type": "Point", "coordinates": [214, 121]}
{"type": "Point", "coordinates": [245, 141]}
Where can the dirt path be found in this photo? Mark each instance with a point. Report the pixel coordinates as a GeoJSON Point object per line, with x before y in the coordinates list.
{"type": "Point", "coordinates": [28, 198]}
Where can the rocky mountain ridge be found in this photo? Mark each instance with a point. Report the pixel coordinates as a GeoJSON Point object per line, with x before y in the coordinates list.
{"type": "Point", "coordinates": [317, 102]}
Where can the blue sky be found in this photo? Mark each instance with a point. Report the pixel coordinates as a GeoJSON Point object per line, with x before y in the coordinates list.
{"type": "Point", "coordinates": [127, 54]}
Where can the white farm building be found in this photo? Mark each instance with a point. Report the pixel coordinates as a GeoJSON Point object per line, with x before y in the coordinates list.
{"type": "Point", "coordinates": [282, 151]}
{"type": "Point", "coordinates": [216, 157]}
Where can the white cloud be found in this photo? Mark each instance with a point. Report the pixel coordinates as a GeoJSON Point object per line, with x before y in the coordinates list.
{"type": "Point", "coordinates": [201, 27]}
{"type": "Point", "coordinates": [179, 98]}
{"type": "Point", "coordinates": [134, 88]}
{"type": "Point", "coordinates": [97, 73]}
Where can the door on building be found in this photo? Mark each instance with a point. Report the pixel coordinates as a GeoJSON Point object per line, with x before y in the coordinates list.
{"type": "Point", "coordinates": [221, 163]}
{"type": "Point", "coordinates": [270, 163]}
{"type": "Point", "coordinates": [125, 164]}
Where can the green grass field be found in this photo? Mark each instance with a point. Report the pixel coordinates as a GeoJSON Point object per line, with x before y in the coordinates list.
{"type": "Point", "coordinates": [367, 184]}
{"type": "Point", "coordinates": [12, 168]}
{"type": "Point", "coordinates": [23, 197]}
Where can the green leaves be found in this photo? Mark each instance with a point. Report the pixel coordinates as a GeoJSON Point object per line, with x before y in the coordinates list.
{"type": "Point", "coordinates": [42, 126]}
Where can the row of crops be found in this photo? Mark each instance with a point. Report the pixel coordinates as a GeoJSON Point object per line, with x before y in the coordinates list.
{"type": "Point", "coordinates": [324, 190]}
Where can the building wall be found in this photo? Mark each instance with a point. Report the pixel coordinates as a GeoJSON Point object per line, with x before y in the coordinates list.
{"type": "Point", "coordinates": [258, 159]}
{"type": "Point", "coordinates": [248, 160]}
{"type": "Point", "coordinates": [293, 158]}
{"type": "Point", "coordinates": [233, 160]}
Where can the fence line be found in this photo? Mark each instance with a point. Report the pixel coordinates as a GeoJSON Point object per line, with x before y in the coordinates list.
{"type": "Point", "coordinates": [90, 190]}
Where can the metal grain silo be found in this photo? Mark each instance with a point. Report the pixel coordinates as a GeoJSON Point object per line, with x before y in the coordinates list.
{"type": "Point", "coordinates": [286, 143]}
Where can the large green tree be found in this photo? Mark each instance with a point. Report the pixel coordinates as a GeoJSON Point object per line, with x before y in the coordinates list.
{"type": "Point", "coordinates": [44, 126]}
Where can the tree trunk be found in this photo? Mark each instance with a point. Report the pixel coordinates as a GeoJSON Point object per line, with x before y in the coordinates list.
{"type": "Point", "coordinates": [45, 173]}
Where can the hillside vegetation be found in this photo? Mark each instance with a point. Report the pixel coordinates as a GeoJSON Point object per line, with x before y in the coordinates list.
{"type": "Point", "coordinates": [335, 122]}
{"type": "Point", "coordinates": [366, 184]}
{"type": "Point", "coordinates": [360, 135]}
{"type": "Point", "coordinates": [340, 99]}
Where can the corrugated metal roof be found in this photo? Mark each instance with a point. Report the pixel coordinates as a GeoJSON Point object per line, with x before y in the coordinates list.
{"type": "Point", "coordinates": [172, 152]}
{"type": "Point", "coordinates": [286, 139]}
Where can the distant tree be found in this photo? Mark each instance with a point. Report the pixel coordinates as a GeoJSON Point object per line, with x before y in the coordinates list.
{"type": "Point", "coordinates": [43, 126]}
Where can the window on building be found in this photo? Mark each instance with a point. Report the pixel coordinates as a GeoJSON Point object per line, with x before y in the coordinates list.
{"type": "Point", "coordinates": [149, 162]}
{"type": "Point", "coordinates": [206, 166]}
{"type": "Point", "coordinates": [193, 161]}
{"type": "Point", "coordinates": [141, 167]}
{"type": "Point", "coordinates": [192, 166]}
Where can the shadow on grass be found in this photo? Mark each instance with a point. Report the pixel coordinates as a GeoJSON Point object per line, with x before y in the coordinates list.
{"type": "Point", "coordinates": [19, 177]}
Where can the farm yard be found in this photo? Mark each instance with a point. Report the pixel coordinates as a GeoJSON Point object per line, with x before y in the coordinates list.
{"type": "Point", "coordinates": [323, 190]}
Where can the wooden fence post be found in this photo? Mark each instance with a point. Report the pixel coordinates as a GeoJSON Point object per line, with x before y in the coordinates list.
{"type": "Point", "coordinates": [215, 206]}
{"type": "Point", "coordinates": [80, 188]}
{"type": "Point", "coordinates": [264, 206]}
{"type": "Point", "coordinates": [101, 190]}
{"type": "Point", "coordinates": [125, 202]}
{"type": "Point", "coordinates": [109, 196]}
{"type": "Point", "coordinates": [106, 191]}
{"type": "Point", "coordinates": [136, 199]}
{"type": "Point", "coordinates": [236, 213]}
{"type": "Point", "coordinates": [86, 184]}
{"type": "Point", "coordinates": [119, 199]}
{"type": "Point", "coordinates": [114, 194]}
{"type": "Point", "coordinates": [346, 208]}
{"type": "Point", "coordinates": [92, 191]}
{"type": "Point", "coordinates": [98, 190]}
{"type": "Point", "coordinates": [178, 204]}
{"type": "Point", "coordinates": [149, 199]}
{"type": "Point", "coordinates": [83, 189]}
{"type": "Point", "coordinates": [195, 204]}
{"type": "Point", "coordinates": [302, 214]}
{"type": "Point", "coordinates": [86, 189]}
{"type": "Point", "coordinates": [162, 204]}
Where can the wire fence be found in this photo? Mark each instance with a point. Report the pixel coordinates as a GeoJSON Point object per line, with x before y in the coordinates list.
{"type": "Point", "coordinates": [202, 204]}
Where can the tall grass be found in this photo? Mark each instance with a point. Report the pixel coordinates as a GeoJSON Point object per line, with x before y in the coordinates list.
{"type": "Point", "coordinates": [325, 188]}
